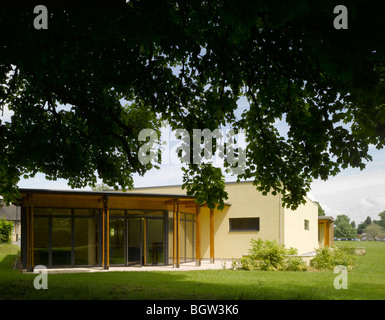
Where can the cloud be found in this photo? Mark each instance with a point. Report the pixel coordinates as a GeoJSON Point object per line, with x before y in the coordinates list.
{"type": "Point", "coordinates": [358, 195]}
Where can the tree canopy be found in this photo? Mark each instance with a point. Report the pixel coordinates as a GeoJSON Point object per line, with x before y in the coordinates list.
{"type": "Point", "coordinates": [361, 227]}
{"type": "Point", "coordinates": [321, 211]}
{"type": "Point", "coordinates": [189, 62]}
{"type": "Point", "coordinates": [374, 231]}
{"type": "Point", "coordinates": [343, 227]}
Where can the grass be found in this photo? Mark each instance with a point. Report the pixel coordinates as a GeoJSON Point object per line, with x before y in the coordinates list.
{"type": "Point", "coordinates": [366, 281]}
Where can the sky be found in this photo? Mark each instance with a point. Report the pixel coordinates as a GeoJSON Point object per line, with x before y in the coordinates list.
{"type": "Point", "coordinates": [355, 193]}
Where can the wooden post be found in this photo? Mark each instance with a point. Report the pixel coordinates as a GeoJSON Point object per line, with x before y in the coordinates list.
{"type": "Point", "coordinates": [103, 237]}
{"type": "Point", "coordinates": [198, 235]}
{"type": "Point", "coordinates": [106, 235]}
{"type": "Point", "coordinates": [177, 235]}
{"type": "Point", "coordinates": [212, 259]}
{"type": "Point", "coordinates": [30, 259]}
{"type": "Point", "coordinates": [144, 241]}
{"type": "Point", "coordinates": [326, 242]}
{"type": "Point", "coordinates": [174, 236]}
{"type": "Point", "coordinates": [28, 240]}
{"type": "Point", "coordinates": [32, 239]}
{"type": "Point", "coordinates": [108, 231]}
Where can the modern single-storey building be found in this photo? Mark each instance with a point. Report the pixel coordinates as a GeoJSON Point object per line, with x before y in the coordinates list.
{"type": "Point", "coordinates": [155, 226]}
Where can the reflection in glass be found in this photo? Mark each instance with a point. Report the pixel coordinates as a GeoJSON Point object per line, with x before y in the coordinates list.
{"type": "Point", "coordinates": [154, 241]}
{"type": "Point", "coordinates": [190, 241]}
{"type": "Point", "coordinates": [86, 212]}
{"type": "Point", "coordinates": [117, 241]}
{"type": "Point", "coordinates": [86, 241]}
{"type": "Point", "coordinates": [51, 211]}
{"type": "Point", "coordinates": [61, 241]}
{"type": "Point", "coordinates": [41, 241]}
{"type": "Point", "coordinates": [182, 239]}
{"type": "Point", "coordinates": [170, 237]}
{"type": "Point", "coordinates": [133, 241]}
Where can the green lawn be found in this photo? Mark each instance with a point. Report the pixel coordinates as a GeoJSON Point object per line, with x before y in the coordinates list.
{"type": "Point", "coordinates": [366, 281]}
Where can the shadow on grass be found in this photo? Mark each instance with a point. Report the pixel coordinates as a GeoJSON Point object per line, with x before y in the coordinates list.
{"type": "Point", "coordinates": [160, 285]}
{"type": "Point", "coordinates": [194, 285]}
{"type": "Point", "coordinates": [8, 262]}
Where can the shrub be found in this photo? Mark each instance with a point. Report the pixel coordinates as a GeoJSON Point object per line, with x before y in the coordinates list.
{"type": "Point", "coordinates": [294, 264]}
{"type": "Point", "coordinates": [5, 230]}
{"type": "Point", "coordinates": [269, 255]}
{"type": "Point", "coordinates": [329, 257]}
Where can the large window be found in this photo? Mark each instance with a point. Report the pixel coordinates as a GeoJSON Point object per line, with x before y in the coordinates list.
{"type": "Point", "coordinates": [117, 238]}
{"type": "Point", "coordinates": [138, 237]}
{"type": "Point", "coordinates": [86, 236]}
{"type": "Point", "coordinates": [61, 241]}
{"type": "Point", "coordinates": [66, 237]}
{"type": "Point", "coordinates": [186, 237]}
{"type": "Point", "coordinates": [244, 224]}
{"type": "Point", "coordinates": [41, 240]}
{"type": "Point", "coordinates": [155, 241]}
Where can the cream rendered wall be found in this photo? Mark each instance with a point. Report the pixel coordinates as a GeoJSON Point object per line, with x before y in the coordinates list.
{"type": "Point", "coordinates": [276, 223]}
{"type": "Point", "coordinates": [245, 202]}
{"type": "Point", "coordinates": [295, 234]}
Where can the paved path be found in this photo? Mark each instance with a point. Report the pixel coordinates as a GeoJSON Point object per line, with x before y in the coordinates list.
{"type": "Point", "coordinates": [189, 266]}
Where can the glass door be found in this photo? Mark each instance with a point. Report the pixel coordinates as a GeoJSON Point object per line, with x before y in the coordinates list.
{"type": "Point", "coordinates": [154, 241]}
{"type": "Point", "coordinates": [117, 234]}
{"type": "Point", "coordinates": [134, 243]}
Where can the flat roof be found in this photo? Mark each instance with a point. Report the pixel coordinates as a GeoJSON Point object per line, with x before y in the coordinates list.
{"type": "Point", "coordinates": [104, 193]}
{"type": "Point", "coordinates": [111, 193]}
{"type": "Point", "coordinates": [326, 218]}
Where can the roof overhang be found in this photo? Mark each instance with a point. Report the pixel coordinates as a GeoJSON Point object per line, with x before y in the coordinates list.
{"type": "Point", "coordinates": [326, 218]}
{"type": "Point", "coordinates": [116, 200]}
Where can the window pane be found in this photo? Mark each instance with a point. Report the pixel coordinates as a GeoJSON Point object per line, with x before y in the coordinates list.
{"type": "Point", "coordinates": [155, 214]}
{"type": "Point", "coordinates": [41, 241]}
{"type": "Point", "coordinates": [170, 237]}
{"type": "Point", "coordinates": [182, 240]}
{"type": "Point", "coordinates": [117, 241]}
{"type": "Point", "coordinates": [86, 241]}
{"type": "Point", "coordinates": [244, 224]}
{"type": "Point", "coordinates": [155, 241]}
{"type": "Point", "coordinates": [61, 241]}
{"type": "Point", "coordinates": [51, 211]}
{"type": "Point", "coordinates": [189, 240]}
{"type": "Point", "coordinates": [119, 213]}
{"type": "Point", "coordinates": [86, 212]}
{"type": "Point", "coordinates": [133, 241]}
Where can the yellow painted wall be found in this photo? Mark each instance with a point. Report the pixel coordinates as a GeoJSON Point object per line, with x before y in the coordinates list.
{"type": "Point", "coordinates": [295, 234]}
{"type": "Point", "coordinates": [245, 202]}
{"type": "Point", "coordinates": [276, 223]}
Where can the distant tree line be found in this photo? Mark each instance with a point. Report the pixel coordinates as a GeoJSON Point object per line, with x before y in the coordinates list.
{"type": "Point", "coordinates": [372, 229]}
{"type": "Point", "coordinates": [343, 228]}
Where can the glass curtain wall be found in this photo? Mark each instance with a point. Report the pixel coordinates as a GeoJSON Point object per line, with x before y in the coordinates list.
{"type": "Point", "coordinates": [117, 237]}
{"type": "Point", "coordinates": [66, 237]}
{"type": "Point", "coordinates": [186, 237]}
{"type": "Point", "coordinates": [72, 237]}
{"type": "Point", "coordinates": [138, 237]}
